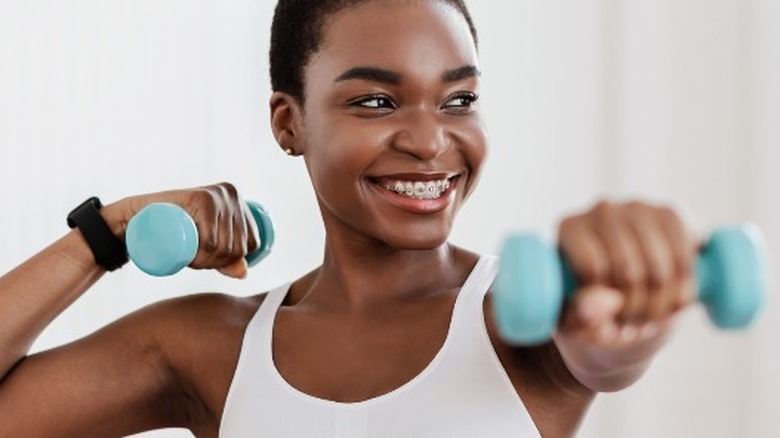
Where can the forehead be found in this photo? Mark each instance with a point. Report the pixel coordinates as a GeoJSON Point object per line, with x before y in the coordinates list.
{"type": "Point", "coordinates": [409, 36]}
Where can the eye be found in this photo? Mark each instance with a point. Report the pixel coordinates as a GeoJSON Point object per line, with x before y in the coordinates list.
{"type": "Point", "coordinates": [375, 101]}
{"type": "Point", "coordinates": [461, 102]}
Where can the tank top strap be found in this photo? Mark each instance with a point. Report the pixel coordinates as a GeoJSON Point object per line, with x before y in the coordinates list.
{"type": "Point", "coordinates": [259, 332]}
{"type": "Point", "coordinates": [271, 304]}
{"type": "Point", "coordinates": [479, 281]}
{"type": "Point", "coordinates": [467, 321]}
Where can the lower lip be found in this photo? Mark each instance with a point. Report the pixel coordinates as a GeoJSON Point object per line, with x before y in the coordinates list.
{"type": "Point", "coordinates": [419, 206]}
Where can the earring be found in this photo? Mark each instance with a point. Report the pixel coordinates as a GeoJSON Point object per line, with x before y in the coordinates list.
{"type": "Point", "coordinates": [289, 151]}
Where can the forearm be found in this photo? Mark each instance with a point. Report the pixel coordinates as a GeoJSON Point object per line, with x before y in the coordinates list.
{"type": "Point", "coordinates": [34, 293]}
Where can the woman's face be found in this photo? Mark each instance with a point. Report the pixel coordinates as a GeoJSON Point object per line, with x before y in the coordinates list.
{"type": "Point", "coordinates": [392, 136]}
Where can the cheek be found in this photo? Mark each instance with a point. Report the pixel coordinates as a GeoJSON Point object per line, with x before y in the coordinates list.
{"type": "Point", "coordinates": [343, 138]}
{"type": "Point", "coordinates": [340, 151]}
{"type": "Point", "coordinates": [473, 140]}
{"type": "Point", "coordinates": [473, 143]}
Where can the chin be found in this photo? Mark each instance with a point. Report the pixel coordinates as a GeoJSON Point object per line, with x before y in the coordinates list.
{"type": "Point", "coordinates": [417, 241]}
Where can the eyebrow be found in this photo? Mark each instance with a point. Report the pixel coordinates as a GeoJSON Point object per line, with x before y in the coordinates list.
{"type": "Point", "coordinates": [373, 74]}
{"type": "Point", "coordinates": [465, 72]}
{"type": "Point", "coordinates": [376, 74]}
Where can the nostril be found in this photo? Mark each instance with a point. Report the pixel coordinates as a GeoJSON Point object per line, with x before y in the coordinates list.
{"type": "Point", "coordinates": [422, 138]}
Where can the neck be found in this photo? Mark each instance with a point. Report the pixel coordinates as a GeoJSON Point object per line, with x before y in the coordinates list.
{"type": "Point", "coordinates": [362, 277]}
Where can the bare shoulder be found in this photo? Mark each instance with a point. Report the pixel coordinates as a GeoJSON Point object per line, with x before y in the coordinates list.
{"type": "Point", "coordinates": [191, 328]}
{"type": "Point", "coordinates": [201, 337]}
{"type": "Point", "coordinates": [554, 398]}
{"type": "Point", "coordinates": [206, 312]}
{"type": "Point", "coordinates": [167, 365]}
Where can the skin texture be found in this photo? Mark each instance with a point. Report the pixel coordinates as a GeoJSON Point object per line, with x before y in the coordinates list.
{"type": "Point", "coordinates": [387, 268]}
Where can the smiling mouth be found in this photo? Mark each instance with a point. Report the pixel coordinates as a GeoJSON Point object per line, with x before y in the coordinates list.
{"type": "Point", "coordinates": [416, 189]}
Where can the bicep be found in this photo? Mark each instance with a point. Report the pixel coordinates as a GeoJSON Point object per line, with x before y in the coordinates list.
{"type": "Point", "coordinates": [113, 383]}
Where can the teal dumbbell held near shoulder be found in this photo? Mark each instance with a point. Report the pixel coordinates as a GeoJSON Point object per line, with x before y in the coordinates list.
{"type": "Point", "coordinates": [534, 281]}
{"type": "Point", "coordinates": [162, 238]}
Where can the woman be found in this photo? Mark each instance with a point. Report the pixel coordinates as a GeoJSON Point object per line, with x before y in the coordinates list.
{"type": "Point", "coordinates": [393, 334]}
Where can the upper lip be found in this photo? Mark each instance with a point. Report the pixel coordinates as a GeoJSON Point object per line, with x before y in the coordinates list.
{"type": "Point", "coordinates": [417, 176]}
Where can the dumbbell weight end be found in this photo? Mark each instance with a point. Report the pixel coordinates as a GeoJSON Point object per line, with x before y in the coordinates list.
{"type": "Point", "coordinates": [733, 276]}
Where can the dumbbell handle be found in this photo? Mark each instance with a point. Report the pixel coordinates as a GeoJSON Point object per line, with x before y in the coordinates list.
{"type": "Point", "coordinates": [162, 238]}
{"type": "Point", "coordinates": [534, 280]}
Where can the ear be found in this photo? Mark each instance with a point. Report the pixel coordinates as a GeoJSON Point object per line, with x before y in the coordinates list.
{"type": "Point", "coordinates": [287, 122]}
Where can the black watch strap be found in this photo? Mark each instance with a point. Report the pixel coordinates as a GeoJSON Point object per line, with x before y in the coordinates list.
{"type": "Point", "coordinates": [110, 251]}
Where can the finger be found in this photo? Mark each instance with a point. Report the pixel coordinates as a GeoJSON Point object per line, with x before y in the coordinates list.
{"type": "Point", "coordinates": [216, 248]}
{"type": "Point", "coordinates": [593, 305]}
{"type": "Point", "coordinates": [655, 248]}
{"type": "Point", "coordinates": [240, 234]}
{"type": "Point", "coordinates": [209, 243]}
{"type": "Point", "coordinates": [238, 269]}
{"type": "Point", "coordinates": [251, 231]}
{"type": "Point", "coordinates": [592, 314]}
{"type": "Point", "coordinates": [693, 231]}
{"type": "Point", "coordinates": [684, 245]}
{"type": "Point", "coordinates": [626, 264]}
{"type": "Point", "coordinates": [227, 252]}
{"type": "Point", "coordinates": [687, 294]}
{"type": "Point", "coordinates": [226, 197]}
{"type": "Point", "coordinates": [583, 252]}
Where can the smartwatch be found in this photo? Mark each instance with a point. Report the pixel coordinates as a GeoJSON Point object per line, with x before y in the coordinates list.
{"type": "Point", "coordinates": [109, 250]}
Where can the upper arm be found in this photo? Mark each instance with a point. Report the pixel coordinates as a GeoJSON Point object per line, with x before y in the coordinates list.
{"type": "Point", "coordinates": [112, 383]}
{"type": "Point", "coordinates": [555, 399]}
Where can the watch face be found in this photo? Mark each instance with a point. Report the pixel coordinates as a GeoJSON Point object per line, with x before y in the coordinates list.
{"type": "Point", "coordinates": [92, 203]}
{"type": "Point", "coordinates": [96, 202]}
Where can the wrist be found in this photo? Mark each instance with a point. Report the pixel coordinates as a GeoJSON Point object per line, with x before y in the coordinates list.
{"type": "Point", "coordinates": [107, 247]}
{"type": "Point", "coordinates": [118, 214]}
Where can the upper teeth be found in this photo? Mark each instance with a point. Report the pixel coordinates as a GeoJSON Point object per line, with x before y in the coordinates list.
{"type": "Point", "coordinates": [419, 189]}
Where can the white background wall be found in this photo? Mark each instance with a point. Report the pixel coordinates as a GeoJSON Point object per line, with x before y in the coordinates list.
{"type": "Point", "coordinates": [669, 100]}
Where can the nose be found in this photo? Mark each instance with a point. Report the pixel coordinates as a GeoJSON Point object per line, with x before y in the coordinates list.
{"type": "Point", "coordinates": [421, 135]}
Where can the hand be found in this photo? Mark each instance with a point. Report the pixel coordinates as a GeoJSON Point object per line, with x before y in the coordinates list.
{"type": "Point", "coordinates": [226, 229]}
{"type": "Point", "coordinates": [634, 269]}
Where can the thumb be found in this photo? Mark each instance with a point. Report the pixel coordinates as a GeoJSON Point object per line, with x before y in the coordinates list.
{"type": "Point", "coordinates": [593, 306]}
{"type": "Point", "coordinates": [238, 269]}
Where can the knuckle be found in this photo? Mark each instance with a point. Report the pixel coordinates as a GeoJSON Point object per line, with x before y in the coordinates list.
{"type": "Point", "coordinates": [628, 275]}
{"type": "Point", "coordinates": [215, 196]}
{"type": "Point", "coordinates": [638, 305]}
{"type": "Point", "coordinates": [666, 303]}
{"type": "Point", "coordinates": [204, 199]}
{"type": "Point", "coordinates": [629, 311]}
{"type": "Point", "coordinates": [669, 215]}
{"type": "Point", "coordinates": [245, 247]}
{"type": "Point", "coordinates": [634, 204]}
{"type": "Point", "coordinates": [655, 279]}
{"type": "Point", "coordinates": [603, 209]}
{"type": "Point", "coordinates": [567, 225]}
{"type": "Point", "coordinates": [591, 271]}
{"type": "Point", "coordinates": [228, 252]}
{"type": "Point", "coordinates": [209, 244]}
{"type": "Point", "coordinates": [637, 208]}
{"type": "Point", "coordinates": [228, 189]}
{"type": "Point", "coordinates": [251, 244]}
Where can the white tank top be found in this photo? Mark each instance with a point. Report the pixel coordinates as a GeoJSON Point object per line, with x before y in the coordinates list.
{"type": "Point", "coordinates": [464, 391]}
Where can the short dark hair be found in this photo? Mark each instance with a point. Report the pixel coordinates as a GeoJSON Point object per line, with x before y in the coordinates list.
{"type": "Point", "coordinates": [296, 35]}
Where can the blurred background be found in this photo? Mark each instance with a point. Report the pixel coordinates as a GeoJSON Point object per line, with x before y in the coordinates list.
{"type": "Point", "coordinates": [672, 101]}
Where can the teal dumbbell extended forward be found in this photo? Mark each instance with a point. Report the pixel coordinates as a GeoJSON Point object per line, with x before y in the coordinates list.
{"type": "Point", "coordinates": [533, 282]}
{"type": "Point", "coordinates": [162, 238]}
